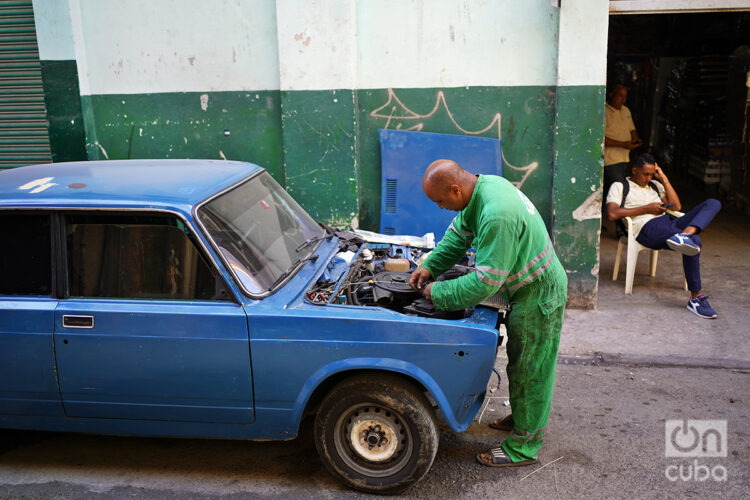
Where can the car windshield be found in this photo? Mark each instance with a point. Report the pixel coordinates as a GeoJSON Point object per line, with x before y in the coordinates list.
{"type": "Point", "coordinates": [260, 230]}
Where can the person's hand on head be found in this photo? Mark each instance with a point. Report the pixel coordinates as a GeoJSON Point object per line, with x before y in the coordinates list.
{"type": "Point", "coordinates": [658, 173]}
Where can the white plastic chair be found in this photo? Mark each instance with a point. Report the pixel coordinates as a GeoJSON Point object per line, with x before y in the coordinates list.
{"type": "Point", "coordinates": [634, 248]}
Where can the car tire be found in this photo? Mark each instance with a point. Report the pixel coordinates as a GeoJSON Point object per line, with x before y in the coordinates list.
{"type": "Point", "coordinates": [376, 433]}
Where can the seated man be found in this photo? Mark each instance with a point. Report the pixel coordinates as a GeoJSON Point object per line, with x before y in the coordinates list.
{"type": "Point", "coordinates": [647, 200]}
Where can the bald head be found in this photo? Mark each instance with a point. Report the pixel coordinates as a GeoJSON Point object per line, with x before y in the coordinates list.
{"type": "Point", "coordinates": [448, 185]}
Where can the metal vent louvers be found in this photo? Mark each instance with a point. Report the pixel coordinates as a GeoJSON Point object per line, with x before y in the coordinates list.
{"type": "Point", "coordinates": [390, 196]}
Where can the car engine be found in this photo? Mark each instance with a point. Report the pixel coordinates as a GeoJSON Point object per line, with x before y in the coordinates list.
{"type": "Point", "coordinates": [378, 275]}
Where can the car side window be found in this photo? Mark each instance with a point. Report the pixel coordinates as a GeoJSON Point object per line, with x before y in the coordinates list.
{"type": "Point", "coordinates": [25, 254]}
{"type": "Point", "coordinates": [137, 257]}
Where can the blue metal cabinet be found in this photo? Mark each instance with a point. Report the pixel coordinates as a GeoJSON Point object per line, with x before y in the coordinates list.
{"type": "Point", "coordinates": [404, 208]}
{"type": "Point", "coordinates": [154, 360]}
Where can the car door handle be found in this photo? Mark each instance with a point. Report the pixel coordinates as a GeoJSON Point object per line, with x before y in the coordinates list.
{"type": "Point", "coordinates": [70, 321]}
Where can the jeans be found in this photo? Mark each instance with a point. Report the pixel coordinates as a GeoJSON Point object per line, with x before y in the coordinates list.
{"type": "Point", "coordinates": [655, 233]}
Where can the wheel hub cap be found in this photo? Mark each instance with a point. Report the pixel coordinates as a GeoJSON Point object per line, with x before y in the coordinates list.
{"type": "Point", "coordinates": [374, 437]}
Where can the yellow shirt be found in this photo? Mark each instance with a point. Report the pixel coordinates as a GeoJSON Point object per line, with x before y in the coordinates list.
{"type": "Point", "coordinates": [617, 125]}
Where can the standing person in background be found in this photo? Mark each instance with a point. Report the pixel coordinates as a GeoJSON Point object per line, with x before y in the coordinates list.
{"type": "Point", "coordinates": [620, 137]}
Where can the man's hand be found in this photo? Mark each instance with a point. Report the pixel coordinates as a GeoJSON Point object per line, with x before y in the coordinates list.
{"type": "Point", "coordinates": [633, 144]}
{"type": "Point", "coordinates": [655, 208]}
{"type": "Point", "coordinates": [659, 174]}
{"type": "Point", "coordinates": [428, 292]}
{"type": "Point", "coordinates": [418, 277]}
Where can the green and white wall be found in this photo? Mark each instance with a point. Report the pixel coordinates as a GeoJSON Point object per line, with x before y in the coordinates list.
{"type": "Point", "coordinates": [301, 87]}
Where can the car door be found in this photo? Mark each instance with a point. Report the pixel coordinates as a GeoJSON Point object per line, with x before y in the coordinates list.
{"type": "Point", "coordinates": [28, 385]}
{"type": "Point", "coordinates": [148, 329]}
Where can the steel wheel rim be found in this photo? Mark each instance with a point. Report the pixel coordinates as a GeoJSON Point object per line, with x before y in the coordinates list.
{"type": "Point", "coordinates": [373, 440]}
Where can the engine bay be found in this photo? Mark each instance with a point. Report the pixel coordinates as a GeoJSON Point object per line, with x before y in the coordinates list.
{"type": "Point", "coordinates": [377, 274]}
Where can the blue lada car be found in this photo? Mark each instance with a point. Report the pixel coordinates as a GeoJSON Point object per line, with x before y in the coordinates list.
{"type": "Point", "coordinates": [197, 298]}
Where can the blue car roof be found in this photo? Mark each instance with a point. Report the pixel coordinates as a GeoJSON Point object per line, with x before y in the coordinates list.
{"type": "Point", "coordinates": [168, 184]}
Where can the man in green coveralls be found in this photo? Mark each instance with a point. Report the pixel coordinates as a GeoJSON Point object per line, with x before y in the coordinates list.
{"type": "Point", "coordinates": [514, 255]}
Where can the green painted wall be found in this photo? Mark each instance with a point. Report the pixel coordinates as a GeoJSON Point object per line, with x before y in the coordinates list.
{"type": "Point", "coordinates": [323, 145]}
{"type": "Point", "coordinates": [578, 169]}
{"type": "Point", "coordinates": [63, 102]}
{"type": "Point", "coordinates": [234, 125]}
{"type": "Point", "coordinates": [320, 152]}
{"type": "Point", "coordinates": [329, 143]}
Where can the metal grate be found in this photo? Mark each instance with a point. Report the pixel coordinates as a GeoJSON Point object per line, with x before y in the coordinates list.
{"type": "Point", "coordinates": [24, 136]}
{"type": "Point", "coordinates": [390, 196]}
{"type": "Point", "coordinates": [498, 302]}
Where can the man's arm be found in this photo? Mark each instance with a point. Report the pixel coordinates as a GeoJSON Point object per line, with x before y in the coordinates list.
{"type": "Point", "coordinates": [615, 212]}
{"type": "Point", "coordinates": [497, 248]}
{"type": "Point", "coordinates": [612, 143]}
{"type": "Point", "coordinates": [634, 139]}
{"type": "Point", "coordinates": [671, 194]}
{"type": "Point", "coordinates": [446, 253]}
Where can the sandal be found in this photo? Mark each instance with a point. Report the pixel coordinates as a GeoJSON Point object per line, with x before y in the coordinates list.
{"type": "Point", "coordinates": [506, 424]}
{"type": "Point", "coordinates": [500, 459]}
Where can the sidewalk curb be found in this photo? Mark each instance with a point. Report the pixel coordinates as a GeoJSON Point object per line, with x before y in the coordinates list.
{"type": "Point", "coordinates": [604, 359]}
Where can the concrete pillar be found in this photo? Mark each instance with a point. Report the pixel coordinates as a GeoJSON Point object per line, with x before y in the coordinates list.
{"type": "Point", "coordinates": [579, 138]}
{"type": "Point", "coordinates": [317, 67]}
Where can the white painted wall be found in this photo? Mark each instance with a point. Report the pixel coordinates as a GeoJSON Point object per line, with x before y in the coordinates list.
{"type": "Point", "coordinates": [583, 42]}
{"type": "Point", "coordinates": [317, 44]}
{"type": "Point", "coordinates": [144, 46]}
{"type": "Point", "coordinates": [54, 33]}
{"type": "Point", "coordinates": [447, 43]}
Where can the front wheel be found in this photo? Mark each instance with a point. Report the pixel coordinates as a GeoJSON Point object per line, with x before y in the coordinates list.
{"type": "Point", "coordinates": [376, 433]}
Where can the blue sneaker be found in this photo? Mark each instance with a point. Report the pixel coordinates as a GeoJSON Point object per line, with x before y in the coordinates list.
{"type": "Point", "coordinates": [684, 244]}
{"type": "Point", "coordinates": [701, 307]}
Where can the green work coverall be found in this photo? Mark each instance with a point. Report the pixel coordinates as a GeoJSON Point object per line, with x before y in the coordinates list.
{"type": "Point", "coordinates": [514, 255]}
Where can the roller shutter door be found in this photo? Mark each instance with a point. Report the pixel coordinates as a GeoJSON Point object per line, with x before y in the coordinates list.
{"type": "Point", "coordinates": [24, 137]}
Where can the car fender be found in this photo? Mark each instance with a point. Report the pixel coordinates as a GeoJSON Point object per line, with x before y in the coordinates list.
{"type": "Point", "coordinates": [380, 364]}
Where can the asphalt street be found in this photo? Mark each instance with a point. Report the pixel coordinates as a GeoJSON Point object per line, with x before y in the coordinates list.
{"type": "Point", "coordinates": [606, 438]}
